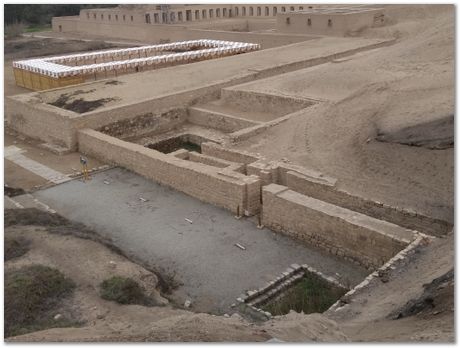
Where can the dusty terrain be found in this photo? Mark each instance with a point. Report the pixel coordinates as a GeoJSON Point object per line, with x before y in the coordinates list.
{"type": "Point", "coordinates": [374, 95]}
{"type": "Point", "coordinates": [384, 129]}
{"type": "Point", "coordinates": [88, 262]}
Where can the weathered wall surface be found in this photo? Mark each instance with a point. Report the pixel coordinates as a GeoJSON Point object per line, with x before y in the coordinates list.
{"type": "Point", "coordinates": [263, 102]}
{"type": "Point", "coordinates": [217, 120]}
{"type": "Point", "coordinates": [329, 193]}
{"type": "Point", "coordinates": [148, 123]}
{"type": "Point", "coordinates": [209, 184]}
{"type": "Point", "coordinates": [327, 24]}
{"type": "Point", "coordinates": [155, 33]}
{"type": "Point", "coordinates": [65, 24]}
{"type": "Point", "coordinates": [218, 151]}
{"type": "Point", "coordinates": [340, 231]}
{"type": "Point", "coordinates": [39, 121]}
{"type": "Point", "coordinates": [28, 114]}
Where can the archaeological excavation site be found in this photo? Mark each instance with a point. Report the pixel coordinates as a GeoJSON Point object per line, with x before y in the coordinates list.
{"type": "Point", "coordinates": [230, 173]}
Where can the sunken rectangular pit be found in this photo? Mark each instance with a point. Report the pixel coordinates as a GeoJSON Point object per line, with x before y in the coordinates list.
{"type": "Point", "coordinates": [189, 142]}
{"type": "Point", "coordinates": [300, 288]}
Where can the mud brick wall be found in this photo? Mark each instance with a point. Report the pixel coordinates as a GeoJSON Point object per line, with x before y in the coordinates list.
{"type": "Point", "coordinates": [217, 120]}
{"type": "Point", "coordinates": [329, 193]}
{"type": "Point", "coordinates": [39, 121]}
{"type": "Point", "coordinates": [210, 161]}
{"type": "Point", "coordinates": [354, 236]}
{"type": "Point", "coordinates": [263, 102]}
{"type": "Point", "coordinates": [147, 123]}
{"type": "Point", "coordinates": [218, 151]}
{"type": "Point", "coordinates": [195, 179]}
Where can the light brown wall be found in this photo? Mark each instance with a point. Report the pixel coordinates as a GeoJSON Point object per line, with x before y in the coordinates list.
{"type": "Point", "coordinates": [363, 239]}
{"type": "Point", "coordinates": [207, 183]}
{"type": "Point", "coordinates": [160, 33]}
{"type": "Point", "coordinates": [39, 121]}
{"type": "Point", "coordinates": [216, 120]}
{"type": "Point", "coordinates": [262, 102]}
{"type": "Point", "coordinates": [333, 195]}
{"type": "Point", "coordinates": [342, 24]}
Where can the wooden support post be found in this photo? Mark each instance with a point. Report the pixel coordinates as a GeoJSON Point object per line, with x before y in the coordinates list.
{"type": "Point", "coordinates": [238, 216]}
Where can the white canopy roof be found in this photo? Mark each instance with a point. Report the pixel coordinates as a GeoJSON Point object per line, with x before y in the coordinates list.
{"type": "Point", "coordinates": [55, 66]}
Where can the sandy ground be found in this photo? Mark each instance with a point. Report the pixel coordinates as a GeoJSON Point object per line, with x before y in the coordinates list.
{"type": "Point", "coordinates": [88, 263]}
{"type": "Point", "coordinates": [368, 318]}
{"type": "Point", "coordinates": [380, 91]}
{"type": "Point", "coordinates": [384, 90]}
{"type": "Point", "coordinates": [201, 256]}
{"type": "Point", "coordinates": [136, 87]}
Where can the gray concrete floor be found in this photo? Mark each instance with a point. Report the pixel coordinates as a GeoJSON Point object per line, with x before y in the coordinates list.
{"type": "Point", "coordinates": [202, 255]}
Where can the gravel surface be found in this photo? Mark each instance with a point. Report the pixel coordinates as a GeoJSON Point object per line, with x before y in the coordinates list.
{"type": "Point", "coordinates": [202, 255]}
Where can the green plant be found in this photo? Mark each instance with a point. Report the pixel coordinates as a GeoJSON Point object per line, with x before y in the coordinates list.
{"type": "Point", "coordinates": [124, 291]}
{"type": "Point", "coordinates": [31, 293]}
{"type": "Point", "coordinates": [37, 28]}
{"type": "Point", "coordinates": [14, 30]}
{"type": "Point", "coordinates": [311, 295]}
{"type": "Point", "coordinates": [15, 247]}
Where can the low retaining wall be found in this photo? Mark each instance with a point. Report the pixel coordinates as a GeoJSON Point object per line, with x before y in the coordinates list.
{"type": "Point", "coordinates": [329, 193]}
{"type": "Point", "coordinates": [25, 114]}
{"type": "Point", "coordinates": [148, 123]}
{"type": "Point", "coordinates": [384, 273]}
{"type": "Point", "coordinates": [354, 236]}
{"type": "Point", "coordinates": [218, 151]}
{"type": "Point", "coordinates": [209, 184]}
{"type": "Point", "coordinates": [263, 102]}
{"type": "Point", "coordinates": [324, 188]}
{"type": "Point", "coordinates": [217, 120]}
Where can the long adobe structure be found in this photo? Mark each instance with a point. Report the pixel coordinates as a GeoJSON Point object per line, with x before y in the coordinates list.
{"type": "Point", "coordinates": [59, 71]}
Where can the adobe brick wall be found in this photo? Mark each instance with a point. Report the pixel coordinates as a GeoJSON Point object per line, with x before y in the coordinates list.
{"type": "Point", "coordinates": [360, 238]}
{"type": "Point", "coordinates": [218, 151]}
{"type": "Point", "coordinates": [147, 123]}
{"type": "Point", "coordinates": [209, 184]}
{"type": "Point", "coordinates": [26, 115]}
{"type": "Point", "coordinates": [217, 120]}
{"type": "Point", "coordinates": [263, 102]}
{"type": "Point", "coordinates": [328, 192]}
{"type": "Point", "coordinates": [153, 33]}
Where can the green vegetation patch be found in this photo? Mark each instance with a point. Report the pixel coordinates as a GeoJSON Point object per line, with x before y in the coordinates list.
{"type": "Point", "coordinates": [15, 247]}
{"type": "Point", "coordinates": [311, 294]}
{"type": "Point", "coordinates": [124, 291]}
{"type": "Point", "coordinates": [31, 295]}
{"type": "Point", "coordinates": [38, 28]}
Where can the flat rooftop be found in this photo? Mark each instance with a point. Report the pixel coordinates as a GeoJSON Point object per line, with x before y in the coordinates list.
{"type": "Point", "coordinates": [336, 11]}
